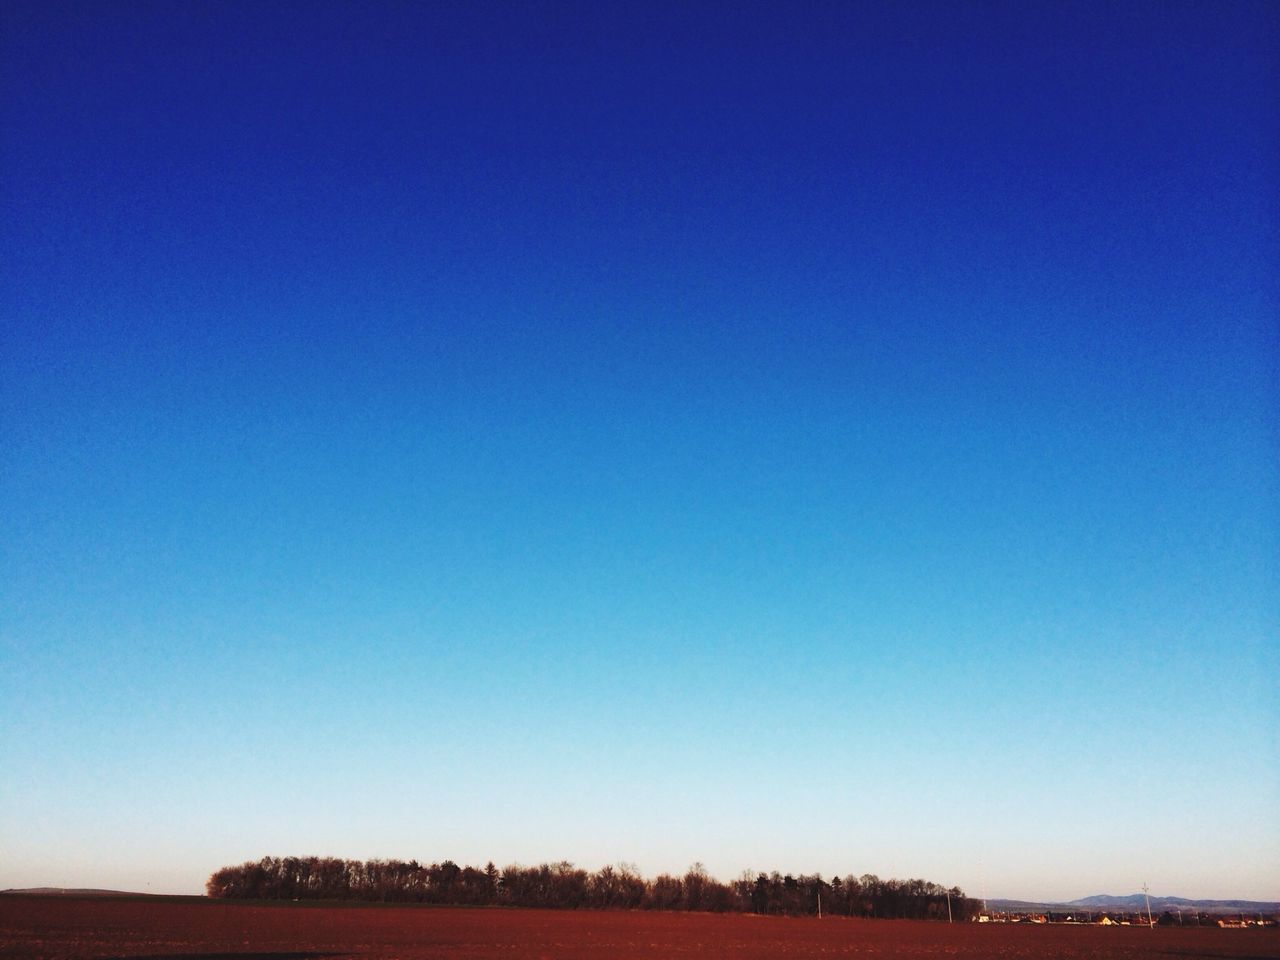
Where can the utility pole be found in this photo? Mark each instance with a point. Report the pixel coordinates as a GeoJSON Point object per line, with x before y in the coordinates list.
{"type": "Point", "coordinates": [819, 903]}
{"type": "Point", "coordinates": [948, 906]}
{"type": "Point", "coordinates": [1150, 923]}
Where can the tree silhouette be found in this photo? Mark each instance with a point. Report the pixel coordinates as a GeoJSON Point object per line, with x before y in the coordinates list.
{"type": "Point", "coordinates": [564, 886]}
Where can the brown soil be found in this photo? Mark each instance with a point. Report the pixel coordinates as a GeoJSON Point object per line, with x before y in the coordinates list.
{"type": "Point", "coordinates": [177, 927]}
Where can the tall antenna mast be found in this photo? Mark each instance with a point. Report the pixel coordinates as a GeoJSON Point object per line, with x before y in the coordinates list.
{"type": "Point", "coordinates": [982, 880]}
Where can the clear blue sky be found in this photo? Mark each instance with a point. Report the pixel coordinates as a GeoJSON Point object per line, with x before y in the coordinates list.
{"type": "Point", "coordinates": [824, 437]}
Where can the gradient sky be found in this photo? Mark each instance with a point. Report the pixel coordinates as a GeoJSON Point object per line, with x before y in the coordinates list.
{"type": "Point", "coordinates": [830, 437]}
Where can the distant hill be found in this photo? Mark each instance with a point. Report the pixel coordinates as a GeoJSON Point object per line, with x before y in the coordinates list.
{"type": "Point", "coordinates": [68, 892]}
{"type": "Point", "coordinates": [1136, 902]}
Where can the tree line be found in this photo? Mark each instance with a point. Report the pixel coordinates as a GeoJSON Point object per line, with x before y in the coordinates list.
{"type": "Point", "coordinates": [564, 886]}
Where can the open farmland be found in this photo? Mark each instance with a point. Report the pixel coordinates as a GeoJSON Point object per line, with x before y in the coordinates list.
{"type": "Point", "coordinates": [177, 927]}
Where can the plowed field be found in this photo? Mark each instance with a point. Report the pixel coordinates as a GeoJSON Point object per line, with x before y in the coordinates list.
{"type": "Point", "coordinates": [58, 927]}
